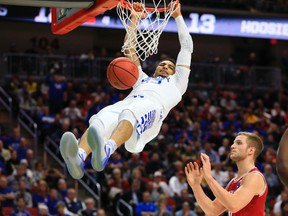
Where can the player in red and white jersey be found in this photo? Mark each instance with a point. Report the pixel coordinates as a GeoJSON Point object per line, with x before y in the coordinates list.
{"type": "Point", "coordinates": [245, 194]}
{"type": "Point", "coordinates": [256, 205]}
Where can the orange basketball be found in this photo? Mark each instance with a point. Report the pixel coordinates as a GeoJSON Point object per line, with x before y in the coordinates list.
{"type": "Point", "coordinates": [122, 73]}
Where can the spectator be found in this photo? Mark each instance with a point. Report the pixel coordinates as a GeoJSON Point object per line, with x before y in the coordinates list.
{"type": "Point", "coordinates": [277, 206]}
{"type": "Point", "coordinates": [23, 192]}
{"type": "Point", "coordinates": [27, 172]}
{"type": "Point", "coordinates": [52, 177]}
{"type": "Point", "coordinates": [7, 195]}
{"type": "Point", "coordinates": [116, 161]}
{"type": "Point", "coordinates": [72, 111]}
{"type": "Point", "coordinates": [135, 161]}
{"type": "Point", "coordinates": [22, 148]}
{"type": "Point", "coordinates": [117, 184]}
{"type": "Point", "coordinates": [177, 183]}
{"type": "Point", "coordinates": [278, 115]}
{"type": "Point", "coordinates": [72, 203]}
{"type": "Point", "coordinates": [154, 164]}
{"type": "Point", "coordinates": [138, 174]}
{"type": "Point", "coordinates": [101, 212]}
{"type": "Point", "coordinates": [272, 180]}
{"type": "Point", "coordinates": [163, 209]}
{"type": "Point", "coordinates": [27, 103]}
{"type": "Point", "coordinates": [208, 150]}
{"type": "Point", "coordinates": [185, 197]}
{"type": "Point", "coordinates": [186, 210]}
{"type": "Point", "coordinates": [30, 85]}
{"type": "Point", "coordinates": [160, 184]}
{"type": "Point", "coordinates": [43, 210]}
{"type": "Point", "coordinates": [40, 196]}
{"type": "Point", "coordinates": [13, 141]}
{"type": "Point", "coordinates": [219, 175]}
{"type": "Point", "coordinates": [45, 119]}
{"type": "Point", "coordinates": [61, 209]}
{"type": "Point", "coordinates": [31, 158]}
{"type": "Point", "coordinates": [16, 176]}
{"type": "Point", "coordinates": [21, 208]}
{"type": "Point", "coordinates": [134, 195]}
{"type": "Point", "coordinates": [39, 171]}
{"type": "Point", "coordinates": [57, 87]}
{"type": "Point", "coordinates": [62, 188]}
{"type": "Point", "coordinates": [2, 166]}
{"type": "Point", "coordinates": [4, 152]}
{"type": "Point", "coordinates": [90, 209]}
{"type": "Point", "coordinates": [146, 207]}
{"type": "Point", "coordinates": [52, 201]}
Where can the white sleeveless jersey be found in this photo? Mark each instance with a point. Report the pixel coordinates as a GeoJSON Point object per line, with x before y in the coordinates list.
{"type": "Point", "coordinates": [165, 91]}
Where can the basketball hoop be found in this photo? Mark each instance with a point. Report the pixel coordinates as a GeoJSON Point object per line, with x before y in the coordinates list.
{"type": "Point", "coordinates": [148, 29]}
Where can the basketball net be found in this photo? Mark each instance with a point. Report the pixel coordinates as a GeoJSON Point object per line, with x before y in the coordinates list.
{"type": "Point", "coordinates": [149, 29]}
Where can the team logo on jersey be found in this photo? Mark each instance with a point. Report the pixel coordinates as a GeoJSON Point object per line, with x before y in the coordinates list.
{"type": "Point", "coordinates": [145, 122]}
{"type": "Point", "coordinates": [155, 80]}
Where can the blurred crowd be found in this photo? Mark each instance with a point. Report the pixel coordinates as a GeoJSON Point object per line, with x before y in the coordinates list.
{"type": "Point", "coordinates": [153, 181]}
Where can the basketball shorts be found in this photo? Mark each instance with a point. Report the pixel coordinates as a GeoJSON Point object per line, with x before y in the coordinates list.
{"type": "Point", "coordinates": [148, 114]}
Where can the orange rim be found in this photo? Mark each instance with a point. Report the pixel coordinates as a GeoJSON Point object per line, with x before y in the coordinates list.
{"type": "Point", "coordinates": [127, 5]}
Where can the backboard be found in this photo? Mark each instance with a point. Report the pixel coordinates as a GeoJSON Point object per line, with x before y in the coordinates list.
{"type": "Point", "coordinates": [65, 20]}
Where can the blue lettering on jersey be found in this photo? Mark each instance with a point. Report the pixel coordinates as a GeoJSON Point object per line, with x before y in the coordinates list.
{"type": "Point", "coordinates": [138, 96]}
{"type": "Point", "coordinates": [145, 122]}
{"type": "Point", "coordinates": [155, 80]}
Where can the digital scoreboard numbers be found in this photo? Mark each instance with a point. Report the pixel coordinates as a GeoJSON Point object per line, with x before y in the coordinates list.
{"type": "Point", "coordinates": [66, 19]}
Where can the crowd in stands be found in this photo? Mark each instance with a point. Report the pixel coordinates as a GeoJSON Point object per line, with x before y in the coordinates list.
{"type": "Point", "coordinates": [152, 181]}
{"type": "Point", "coordinates": [27, 188]}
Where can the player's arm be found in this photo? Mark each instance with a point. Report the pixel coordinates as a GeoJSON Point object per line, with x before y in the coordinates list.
{"type": "Point", "coordinates": [136, 14]}
{"type": "Point", "coordinates": [185, 39]}
{"type": "Point", "coordinates": [194, 177]}
{"type": "Point", "coordinates": [252, 184]}
{"type": "Point", "coordinates": [183, 61]}
{"type": "Point", "coordinates": [282, 159]}
{"type": "Point", "coordinates": [207, 205]}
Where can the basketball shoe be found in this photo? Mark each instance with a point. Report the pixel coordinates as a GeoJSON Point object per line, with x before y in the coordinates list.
{"type": "Point", "coordinates": [69, 151]}
{"type": "Point", "coordinates": [100, 151]}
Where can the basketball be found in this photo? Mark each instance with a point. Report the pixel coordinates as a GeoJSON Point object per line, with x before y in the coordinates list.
{"type": "Point", "coordinates": [122, 73]}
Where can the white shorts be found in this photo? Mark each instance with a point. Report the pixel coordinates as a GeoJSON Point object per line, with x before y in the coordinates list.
{"type": "Point", "coordinates": [149, 118]}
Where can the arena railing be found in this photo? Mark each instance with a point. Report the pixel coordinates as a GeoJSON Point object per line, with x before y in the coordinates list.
{"type": "Point", "coordinates": [23, 118]}
{"type": "Point", "coordinates": [204, 75]}
{"type": "Point", "coordinates": [6, 102]}
{"type": "Point", "coordinates": [52, 148]}
{"type": "Point", "coordinates": [30, 126]}
{"type": "Point", "coordinates": [128, 210]}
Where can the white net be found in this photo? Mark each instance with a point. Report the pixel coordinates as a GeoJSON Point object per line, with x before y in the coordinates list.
{"type": "Point", "coordinates": [149, 29]}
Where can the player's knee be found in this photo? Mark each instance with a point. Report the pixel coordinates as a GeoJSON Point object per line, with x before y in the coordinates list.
{"type": "Point", "coordinates": [127, 115]}
{"type": "Point", "coordinates": [96, 122]}
{"type": "Point", "coordinates": [134, 145]}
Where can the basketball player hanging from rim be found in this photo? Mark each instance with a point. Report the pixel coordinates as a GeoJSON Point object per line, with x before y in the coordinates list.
{"type": "Point", "coordinates": [137, 119]}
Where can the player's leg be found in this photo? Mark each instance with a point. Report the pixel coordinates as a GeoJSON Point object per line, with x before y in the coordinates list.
{"type": "Point", "coordinates": [123, 132]}
{"type": "Point", "coordinates": [74, 152]}
{"type": "Point", "coordinates": [69, 151]}
{"type": "Point", "coordinates": [101, 150]}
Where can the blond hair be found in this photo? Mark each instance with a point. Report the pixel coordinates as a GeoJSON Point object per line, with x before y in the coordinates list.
{"type": "Point", "coordinates": [253, 140]}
